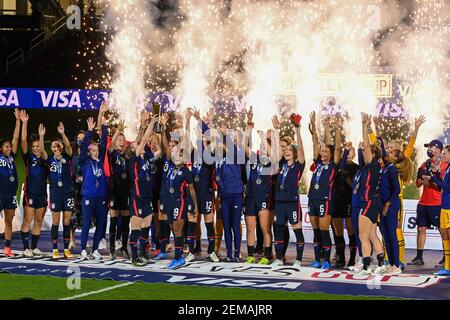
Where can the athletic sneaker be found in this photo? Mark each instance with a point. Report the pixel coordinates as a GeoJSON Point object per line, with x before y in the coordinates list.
{"type": "Point", "coordinates": [176, 263]}
{"type": "Point", "coordinates": [367, 272]}
{"type": "Point", "coordinates": [7, 252]}
{"type": "Point", "coordinates": [402, 266]}
{"type": "Point", "coordinates": [315, 264]}
{"type": "Point", "coordinates": [138, 263]}
{"type": "Point", "coordinates": [118, 244]}
{"type": "Point", "coordinates": [227, 259]}
{"type": "Point", "coordinates": [443, 272]}
{"type": "Point", "coordinates": [297, 264]}
{"type": "Point", "coordinates": [189, 257]}
{"type": "Point", "coordinates": [276, 263]}
{"type": "Point", "coordinates": [102, 244]}
{"type": "Point", "coordinates": [97, 256]}
{"type": "Point", "coordinates": [326, 265]}
{"type": "Point", "coordinates": [68, 254]}
{"type": "Point", "coordinates": [416, 262]}
{"type": "Point", "coordinates": [236, 259]}
{"type": "Point", "coordinates": [144, 259]}
{"type": "Point", "coordinates": [55, 254]}
{"type": "Point", "coordinates": [112, 256]}
{"type": "Point", "coordinates": [37, 252]}
{"type": "Point", "coordinates": [250, 260]}
{"type": "Point", "coordinates": [83, 255]}
{"type": "Point", "coordinates": [264, 260]}
{"type": "Point", "coordinates": [440, 263]}
{"type": "Point", "coordinates": [157, 251]}
{"type": "Point", "coordinates": [125, 253]}
{"type": "Point", "coordinates": [161, 256]}
{"type": "Point", "coordinates": [28, 253]}
{"type": "Point", "coordinates": [380, 269]}
{"type": "Point", "coordinates": [72, 245]}
{"type": "Point", "coordinates": [393, 270]}
{"type": "Point", "coordinates": [357, 266]}
{"type": "Point", "coordinates": [213, 257]}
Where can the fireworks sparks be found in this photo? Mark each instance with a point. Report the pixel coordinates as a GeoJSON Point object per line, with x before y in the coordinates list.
{"type": "Point", "coordinates": [267, 52]}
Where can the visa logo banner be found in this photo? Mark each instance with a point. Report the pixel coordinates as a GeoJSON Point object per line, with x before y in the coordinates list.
{"type": "Point", "coordinates": [32, 98]}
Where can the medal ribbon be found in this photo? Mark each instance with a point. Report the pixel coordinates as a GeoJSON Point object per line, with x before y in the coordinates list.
{"type": "Point", "coordinates": [59, 169]}
{"type": "Point", "coordinates": [286, 169]}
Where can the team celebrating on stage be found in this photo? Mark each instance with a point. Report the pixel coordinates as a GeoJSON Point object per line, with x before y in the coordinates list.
{"type": "Point", "coordinates": [171, 176]}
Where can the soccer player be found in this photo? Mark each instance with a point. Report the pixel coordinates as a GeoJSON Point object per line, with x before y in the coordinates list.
{"type": "Point", "coordinates": [326, 163]}
{"type": "Point", "coordinates": [61, 190]}
{"type": "Point", "coordinates": [9, 182]}
{"type": "Point", "coordinates": [230, 178]}
{"type": "Point", "coordinates": [444, 223]}
{"type": "Point", "coordinates": [77, 220]}
{"type": "Point", "coordinates": [119, 191]}
{"type": "Point", "coordinates": [404, 167]}
{"type": "Point", "coordinates": [342, 204]}
{"type": "Point", "coordinates": [357, 202]}
{"type": "Point", "coordinates": [391, 205]}
{"type": "Point", "coordinates": [285, 142]}
{"type": "Point", "coordinates": [287, 199]}
{"type": "Point", "coordinates": [258, 193]}
{"type": "Point", "coordinates": [35, 188]}
{"type": "Point", "coordinates": [141, 205]}
{"type": "Point", "coordinates": [95, 188]}
{"type": "Point", "coordinates": [370, 202]}
{"type": "Point", "coordinates": [429, 205]}
{"type": "Point", "coordinates": [204, 183]}
{"type": "Point", "coordinates": [178, 181]}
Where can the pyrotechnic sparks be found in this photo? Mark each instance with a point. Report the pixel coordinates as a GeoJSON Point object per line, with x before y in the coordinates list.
{"type": "Point", "coordinates": [301, 51]}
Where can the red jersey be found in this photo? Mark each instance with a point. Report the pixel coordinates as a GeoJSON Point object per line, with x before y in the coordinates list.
{"type": "Point", "coordinates": [431, 195]}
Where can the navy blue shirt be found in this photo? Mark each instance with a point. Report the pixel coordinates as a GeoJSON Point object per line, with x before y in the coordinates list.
{"type": "Point", "coordinates": [157, 171]}
{"type": "Point", "coordinates": [202, 173]}
{"type": "Point", "coordinates": [8, 172]}
{"type": "Point", "coordinates": [259, 184]}
{"type": "Point", "coordinates": [229, 178]}
{"type": "Point", "coordinates": [141, 175]}
{"type": "Point", "coordinates": [368, 186]}
{"type": "Point", "coordinates": [288, 181]}
{"type": "Point", "coordinates": [61, 171]}
{"type": "Point", "coordinates": [322, 180]}
{"type": "Point", "coordinates": [95, 183]}
{"type": "Point", "coordinates": [178, 181]}
{"type": "Point", "coordinates": [119, 183]}
{"type": "Point", "coordinates": [343, 181]}
{"type": "Point", "coordinates": [36, 175]}
{"type": "Point", "coordinates": [167, 168]}
{"type": "Point", "coordinates": [389, 184]}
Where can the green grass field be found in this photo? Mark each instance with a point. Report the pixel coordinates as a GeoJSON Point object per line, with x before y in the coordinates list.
{"type": "Point", "coordinates": [13, 287]}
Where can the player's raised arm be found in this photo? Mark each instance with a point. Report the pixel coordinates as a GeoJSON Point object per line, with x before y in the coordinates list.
{"type": "Point", "coordinates": [141, 146]}
{"type": "Point", "coordinates": [15, 139]}
{"type": "Point", "coordinates": [24, 136]}
{"type": "Point", "coordinates": [66, 142]}
{"type": "Point", "coordinates": [41, 132]}
{"type": "Point", "coordinates": [338, 142]}
{"type": "Point", "coordinates": [366, 142]}
{"type": "Point", "coordinates": [165, 144]}
{"type": "Point", "coordinates": [314, 134]}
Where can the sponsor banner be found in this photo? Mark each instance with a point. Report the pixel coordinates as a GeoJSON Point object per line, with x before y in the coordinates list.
{"type": "Point", "coordinates": [409, 225]}
{"type": "Point", "coordinates": [241, 275]}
